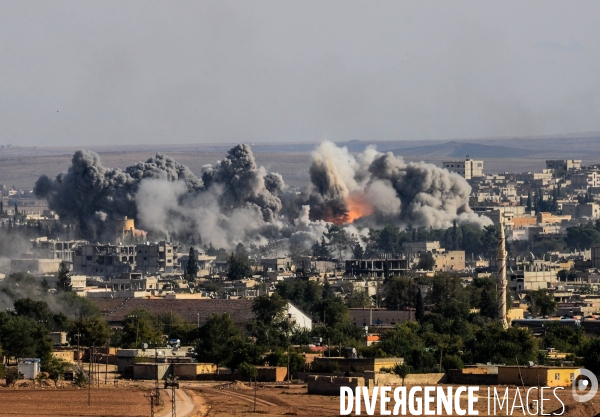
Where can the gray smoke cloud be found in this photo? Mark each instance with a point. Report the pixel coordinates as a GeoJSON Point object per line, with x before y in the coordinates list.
{"type": "Point", "coordinates": [375, 189]}
{"type": "Point", "coordinates": [236, 201]}
{"type": "Point", "coordinates": [91, 194]}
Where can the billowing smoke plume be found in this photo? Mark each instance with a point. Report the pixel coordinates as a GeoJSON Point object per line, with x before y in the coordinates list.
{"type": "Point", "coordinates": [375, 189]}
{"type": "Point", "coordinates": [236, 201]}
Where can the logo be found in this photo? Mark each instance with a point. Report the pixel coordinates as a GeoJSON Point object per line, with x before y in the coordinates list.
{"type": "Point", "coordinates": [581, 384]}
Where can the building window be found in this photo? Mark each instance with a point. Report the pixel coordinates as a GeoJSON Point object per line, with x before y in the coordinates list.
{"type": "Point", "coordinates": [572, 376]}
{"type": "Point", "coordinates": [557, 377]}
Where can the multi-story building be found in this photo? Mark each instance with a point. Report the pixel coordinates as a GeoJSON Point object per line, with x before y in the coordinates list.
{"type": "Point", "coordinates": [467, 168]}
{"type": "Point", "coordinates": [114, 260]}
{"type": "Point", "coordinates": [375, 267]}
{"type": "Point", "coordinates": [564, 164]}
{"type": "Point", "coordinates": [580, 211]}
{"type": "Point", "coordinates": [154, 258]}
{"type": "Point", "coordinates": [584, 180]}
{"type": "Point", "coordinates": [104, 260]}
{"type": "Point", "coordinates": [55, 249]}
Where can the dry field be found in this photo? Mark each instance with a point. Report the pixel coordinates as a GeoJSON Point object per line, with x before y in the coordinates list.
{"type": "Point", "coordinates": [210, 399]}
{"type": "Point", "coordinates": [281, 400]}
{"type": "Point", "coordinates": [127, 402]}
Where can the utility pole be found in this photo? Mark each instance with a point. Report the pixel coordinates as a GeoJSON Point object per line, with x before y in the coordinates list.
{"type": "Point", "coordinates": [173, 407]}
{"type": "Point", "coordinates": [90, 379]}
{"type": "Point", "coordinates": [97, 361]}
{"type": "Point", "coordinates": [152, 402]}
{"type": "Point", "coordinates": [157, 395]}
{"type": "Point", "coordinates": [106, 368]}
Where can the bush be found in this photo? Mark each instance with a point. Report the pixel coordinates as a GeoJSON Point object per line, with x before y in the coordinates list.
{"type": "Point", "coordinates": [452, 362]}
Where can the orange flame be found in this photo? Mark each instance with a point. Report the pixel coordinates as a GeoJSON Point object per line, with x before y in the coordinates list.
{"type": "Point", "coordinates": [358, 207]}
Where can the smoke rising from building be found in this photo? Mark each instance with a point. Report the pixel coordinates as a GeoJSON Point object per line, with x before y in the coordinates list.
{"type": "Point", "coordinates": [237, 201]}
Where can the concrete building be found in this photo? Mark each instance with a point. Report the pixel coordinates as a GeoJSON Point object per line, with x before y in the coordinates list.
{"type": "Point", "coordinates": [133, 281]}
{"type": "Point", "coordinates": [467, 168]}
{"type": "Point", "coordinates": [77, 281]}
{"type": "Point", "coordinates": [113, 260]}
{"type": "Point", "coordinates": [104, 260]}
{"type": "Point", "coordinates": [357, 365]}
{"type": "Point", "coordinates": [43, 248]}
{"type": "Point", "coordinates": [580, 211]}
{"type": "Point", "coordinates": [35, 266]}
{"type": "Point", "coordinates": [449, 261]}
{"type": "Point", "coordinates": [563, 164]}
{"type": "Point", "coordinates": [375, 267]}
{"type": "Point", "coordinates": [596, 256]}
{"type": "Point", "coordinates": [534, 277]}
{"type": "Point", "coordinates": [415, 248]}
{"type": "Point", "coordinates": [585, 180]}
{"type": "Point", "coordinates": [155, 258]}
{"type": "Point", "coordinates": [276, 264]}
{"type": "Point", "coordinates": [546, 376]}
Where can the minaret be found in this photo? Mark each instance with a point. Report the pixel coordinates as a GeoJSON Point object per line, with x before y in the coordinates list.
{"type": "Point", "coordinates": [501, 256]}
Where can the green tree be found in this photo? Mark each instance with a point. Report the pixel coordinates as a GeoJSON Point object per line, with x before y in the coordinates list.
{"type": "Point", "coordinates": [320, 250]}
{"type": "Point", "coordinates": [247, 371]}
{"type": "Point", "coordinates": [91, 331]}
{"type": "Point", "coordinates": [304, 294]}
{"type": "Point", "coordinates": [191, 269]}
{"type": "Point", "coordinates": [591, 355]}
{"type": "Point", "coordinates": [56, 369]}
{"type": "Point", "coordinates": [494, 344]}
{"type": "Point", "coordinates": [564, 338]}
{"type": "Point", "coordinates": [279, 357]}
{"type": "Point", "coordinates": [426, 262]}
{"type": "Point", "coordinates": [452, 362]}
{"type": "Point", "coordinates": [269, 309]}
{"type": "Point", "coordinates": [339, 240]}
{"type": "Point", "coordinates": [541, 303]}
{"type": "Point", "coordinates": [217, 339]}
{"type": "Point", "coordinates": [488, 306]}
{"type": "Point", "coordinates": [419, 306]}
{"type": "Point", "coordinates": [397, 292]}
{"type": "Point", "coordinates": [334, 311]}
{"type": "Point", "coordinates": [582, 236]}
{"type": "Point", "coordinates": [63, 284]}
{"type": "Point", "coordinates": [358, 297]}
{"type": "Point", "coordinates": [44, 286]}
{"type": "Point", "coordinates": [141, 326]}
{"type": "Point", "coordinates": [402, 370]}
{"type": "Point", "coordinates": [238, 267]}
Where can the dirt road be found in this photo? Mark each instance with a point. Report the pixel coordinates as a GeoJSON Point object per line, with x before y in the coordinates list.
{"type": "Point", "coordinates": [184, 405]}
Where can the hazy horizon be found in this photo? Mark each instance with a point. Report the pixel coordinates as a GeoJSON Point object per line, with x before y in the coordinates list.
{"type": "Point", "coordinates": [135, 72]}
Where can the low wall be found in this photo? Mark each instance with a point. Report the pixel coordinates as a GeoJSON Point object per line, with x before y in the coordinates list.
{"type": "Point", "coordinates": [385, 379]}
{"type": "Point", "coordinates": [457, 376]}
{"type": "Point", "coordinates": [330, 385]}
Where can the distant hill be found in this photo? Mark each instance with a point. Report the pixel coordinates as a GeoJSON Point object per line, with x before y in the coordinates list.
{"type": "Point", "coordinates": [462, 149]}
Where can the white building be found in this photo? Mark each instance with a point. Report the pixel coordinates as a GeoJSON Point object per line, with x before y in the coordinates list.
{"type": "Point", "coordinates": [29, 367]}
{"type": "Point", "coordinates": [297, 317]}
{"type": "Point", "coordinates": [467, 168]}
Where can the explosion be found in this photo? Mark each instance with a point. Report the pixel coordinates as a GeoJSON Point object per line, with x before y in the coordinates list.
{"type": "Point", "coordinates": [235, 201]}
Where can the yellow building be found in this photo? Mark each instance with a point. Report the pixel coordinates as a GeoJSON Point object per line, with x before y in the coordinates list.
{"type": "Point", "coordinates": [546, 376]}
{"type": "Point", "coordinates": [124, 227]}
